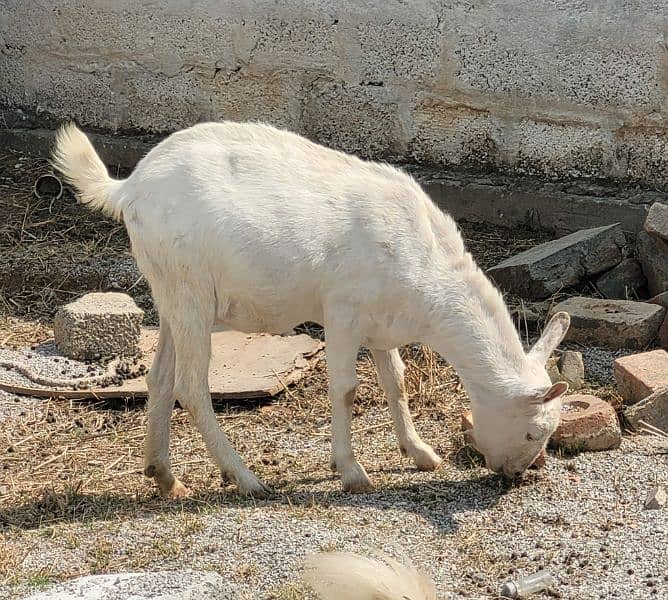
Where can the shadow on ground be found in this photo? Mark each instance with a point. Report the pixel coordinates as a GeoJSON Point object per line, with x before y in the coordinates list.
{"type": "Point", "coordinates": [437, 501]}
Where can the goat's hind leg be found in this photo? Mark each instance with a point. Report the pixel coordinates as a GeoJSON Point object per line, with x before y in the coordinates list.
{"type": "Point", "coordinates": [341, 353]}
{"type": "Point", "coordinates": [192, 341]}
{"type": "Point", "coordinates": [390, 369]}
{"type": "Point", "coordinates": [160, 381]}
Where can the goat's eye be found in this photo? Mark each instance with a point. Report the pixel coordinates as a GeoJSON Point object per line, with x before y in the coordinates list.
{"type": "Point", "coordinates": [529, 437]}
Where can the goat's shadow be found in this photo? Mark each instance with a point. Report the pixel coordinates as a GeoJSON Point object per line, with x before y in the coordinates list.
{"type": "Point", "coordinates": [437, 501]}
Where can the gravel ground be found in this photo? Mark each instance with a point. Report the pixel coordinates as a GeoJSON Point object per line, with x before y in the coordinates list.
{"type": "Point", "coordinates": [582, 518]}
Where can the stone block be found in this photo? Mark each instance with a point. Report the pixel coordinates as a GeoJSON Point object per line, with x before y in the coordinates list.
{"type": "Point", "coordinates": [587, 423]}
{"type": "Point", "coordinates": [611, 323]}
{"type": "Point", "coordinates": [657, 220]}
{"type": "Point", "coordinates": [653, 257]}
{"type": "Point", "coordinates": [541, 271]}
{"type": "Point", "coordinates": [98, 325]}
{"type": "Point", "coordinates": [621, 281]}
{"type": "Point", "coordinates": [640, 375]}
{"type": "Point", "coordinates": [652, 410]}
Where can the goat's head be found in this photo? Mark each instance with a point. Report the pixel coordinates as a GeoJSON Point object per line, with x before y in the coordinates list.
{"type": "Point", "coordinates": [511, 433]}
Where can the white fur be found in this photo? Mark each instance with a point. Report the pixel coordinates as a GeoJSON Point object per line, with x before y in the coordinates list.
{"type": "Point", "coordinates": [346, 576]}
{"type": "Point", "coordinates": [260, 229]}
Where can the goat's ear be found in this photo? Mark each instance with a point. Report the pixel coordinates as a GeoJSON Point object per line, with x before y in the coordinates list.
{"type": "Point", "coordinates": [552, 335]}
{"type": "Point", "coordinates": [558, 389]}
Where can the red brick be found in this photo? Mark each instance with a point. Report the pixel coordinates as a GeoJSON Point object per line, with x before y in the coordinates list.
{"type": "Point", "coordinates": [587, 423]}
{"type": "Point", "coordinates": [640, 375]}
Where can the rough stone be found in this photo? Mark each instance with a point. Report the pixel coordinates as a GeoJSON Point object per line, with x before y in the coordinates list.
{"type": "Point", "coordinates": [571, 369]}
{"type": "Point", "coordinates": [587, 423]}
{"type": "Point", "coordinates": [611, 323]}
{"type": "Point", "coordinates": [621, 281]}
{"type": "Point", "coordinates": [652, 410]}
{"type": "Point", "coordinates": [656, 498]}
{"type": "Point", "coordinates": [163, 585]}
{"type": "Point", "coordinates": [542, 270]}
{"type": "Point", "coordinates": [657, 220]}
{"type": "Point", "coordinates": [640, 375]}
{"type": "Point", "coordinates": [653, 256]}
{"type": "Point", "coordinates": [660, 299]}
{"type": "Point", "coordinates": [98, 324]}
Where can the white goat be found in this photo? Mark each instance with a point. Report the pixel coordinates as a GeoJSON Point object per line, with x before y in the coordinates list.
{"type": "Point", "coordinates": [260, 229]}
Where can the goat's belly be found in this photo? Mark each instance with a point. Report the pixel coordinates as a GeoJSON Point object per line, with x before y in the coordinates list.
{"type": "Point", "coordinates": [264, 317]}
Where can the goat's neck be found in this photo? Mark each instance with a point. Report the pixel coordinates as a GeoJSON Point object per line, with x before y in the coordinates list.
{"type": "Point", "coordinates": [472, 329]}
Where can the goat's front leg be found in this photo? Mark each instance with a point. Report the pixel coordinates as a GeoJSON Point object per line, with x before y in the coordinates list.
{"type": "Point", "coordinates": [192, 341]}
{"type": "Point", "coordinates": [341, 360]}
{"type": "Point", "coordinates": [390, 369]}
{"type": "Point", "coordinates": [160, 381]}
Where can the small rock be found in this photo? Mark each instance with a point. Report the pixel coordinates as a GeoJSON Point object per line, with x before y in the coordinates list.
{"type": "Point", "coordinates": [587, 423]}
{"type": "Point", "coordinates": [656, 498]}
{"type": "Point", "coordinates": [571, 369]}
{"type": "Point", "coordinates": [657, 220]}
{"type": "Point", "coordinates": [622, 281]}
{"type": "Point", "coordinates": [640, 375]}
{"type": "Point", "coordinates": [611, 323]}
{"type": "Point", "coordinates": [653, 256]}
{"type": "Point", "coordinates": [540, 271]}
{"type": "Point", "coordinates": [652, 410]}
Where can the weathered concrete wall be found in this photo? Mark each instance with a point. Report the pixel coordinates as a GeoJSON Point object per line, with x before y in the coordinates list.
{"type": "Point", "coordinates": [564, 87]}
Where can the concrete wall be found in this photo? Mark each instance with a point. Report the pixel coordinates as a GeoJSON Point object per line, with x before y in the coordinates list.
{"type": "Point", "coordinates": [561, 87]}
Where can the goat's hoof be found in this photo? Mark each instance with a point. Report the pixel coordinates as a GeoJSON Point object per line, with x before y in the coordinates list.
{"type": "Point", "coordinates": [177, 491]}
{"type": "Point", "coordinates": [249, 485]}
{"type": "Point", "coordinates": [426, 459]}
{"type": "Point", "coordinates": [356, 481]}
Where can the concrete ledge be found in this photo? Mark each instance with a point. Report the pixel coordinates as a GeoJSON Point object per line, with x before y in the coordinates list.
{"type": "Point", "coordinates": [562, 207]}
{"type": "Point", "coordinates": [508, 201]}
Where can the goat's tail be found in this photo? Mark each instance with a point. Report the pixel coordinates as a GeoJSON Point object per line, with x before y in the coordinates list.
{"type": "Point", "coordinates": [347, 576]}
{"type": "Point", "coordinates": [75, 157]}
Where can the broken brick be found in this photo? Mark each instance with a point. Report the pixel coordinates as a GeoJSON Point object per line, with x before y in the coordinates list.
{"type": "Point", "coordinates": [640, 375]}
{"type": "Point", "coordinates": [587, 423]}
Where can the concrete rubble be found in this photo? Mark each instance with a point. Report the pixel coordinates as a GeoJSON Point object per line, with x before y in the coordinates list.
{"type": "Point", "coordinates": [98, 325]}
{"type": "Point", "coordinates": [640, 375]}
{"type": "Point", "coordinates": [623, 281]}
{"type": "Point", "coordinates": [653, 256]}
{"type": "Point", "coordinates": [652, 410]}
{"type": "Point", "coordinates": [165, 585]}
{"type": "Point", "coordinates": [657, 220]}
{"type": "Point", "coordinates": [611, 323]}
{"type": "Point", "coordinates": [545, 269]}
